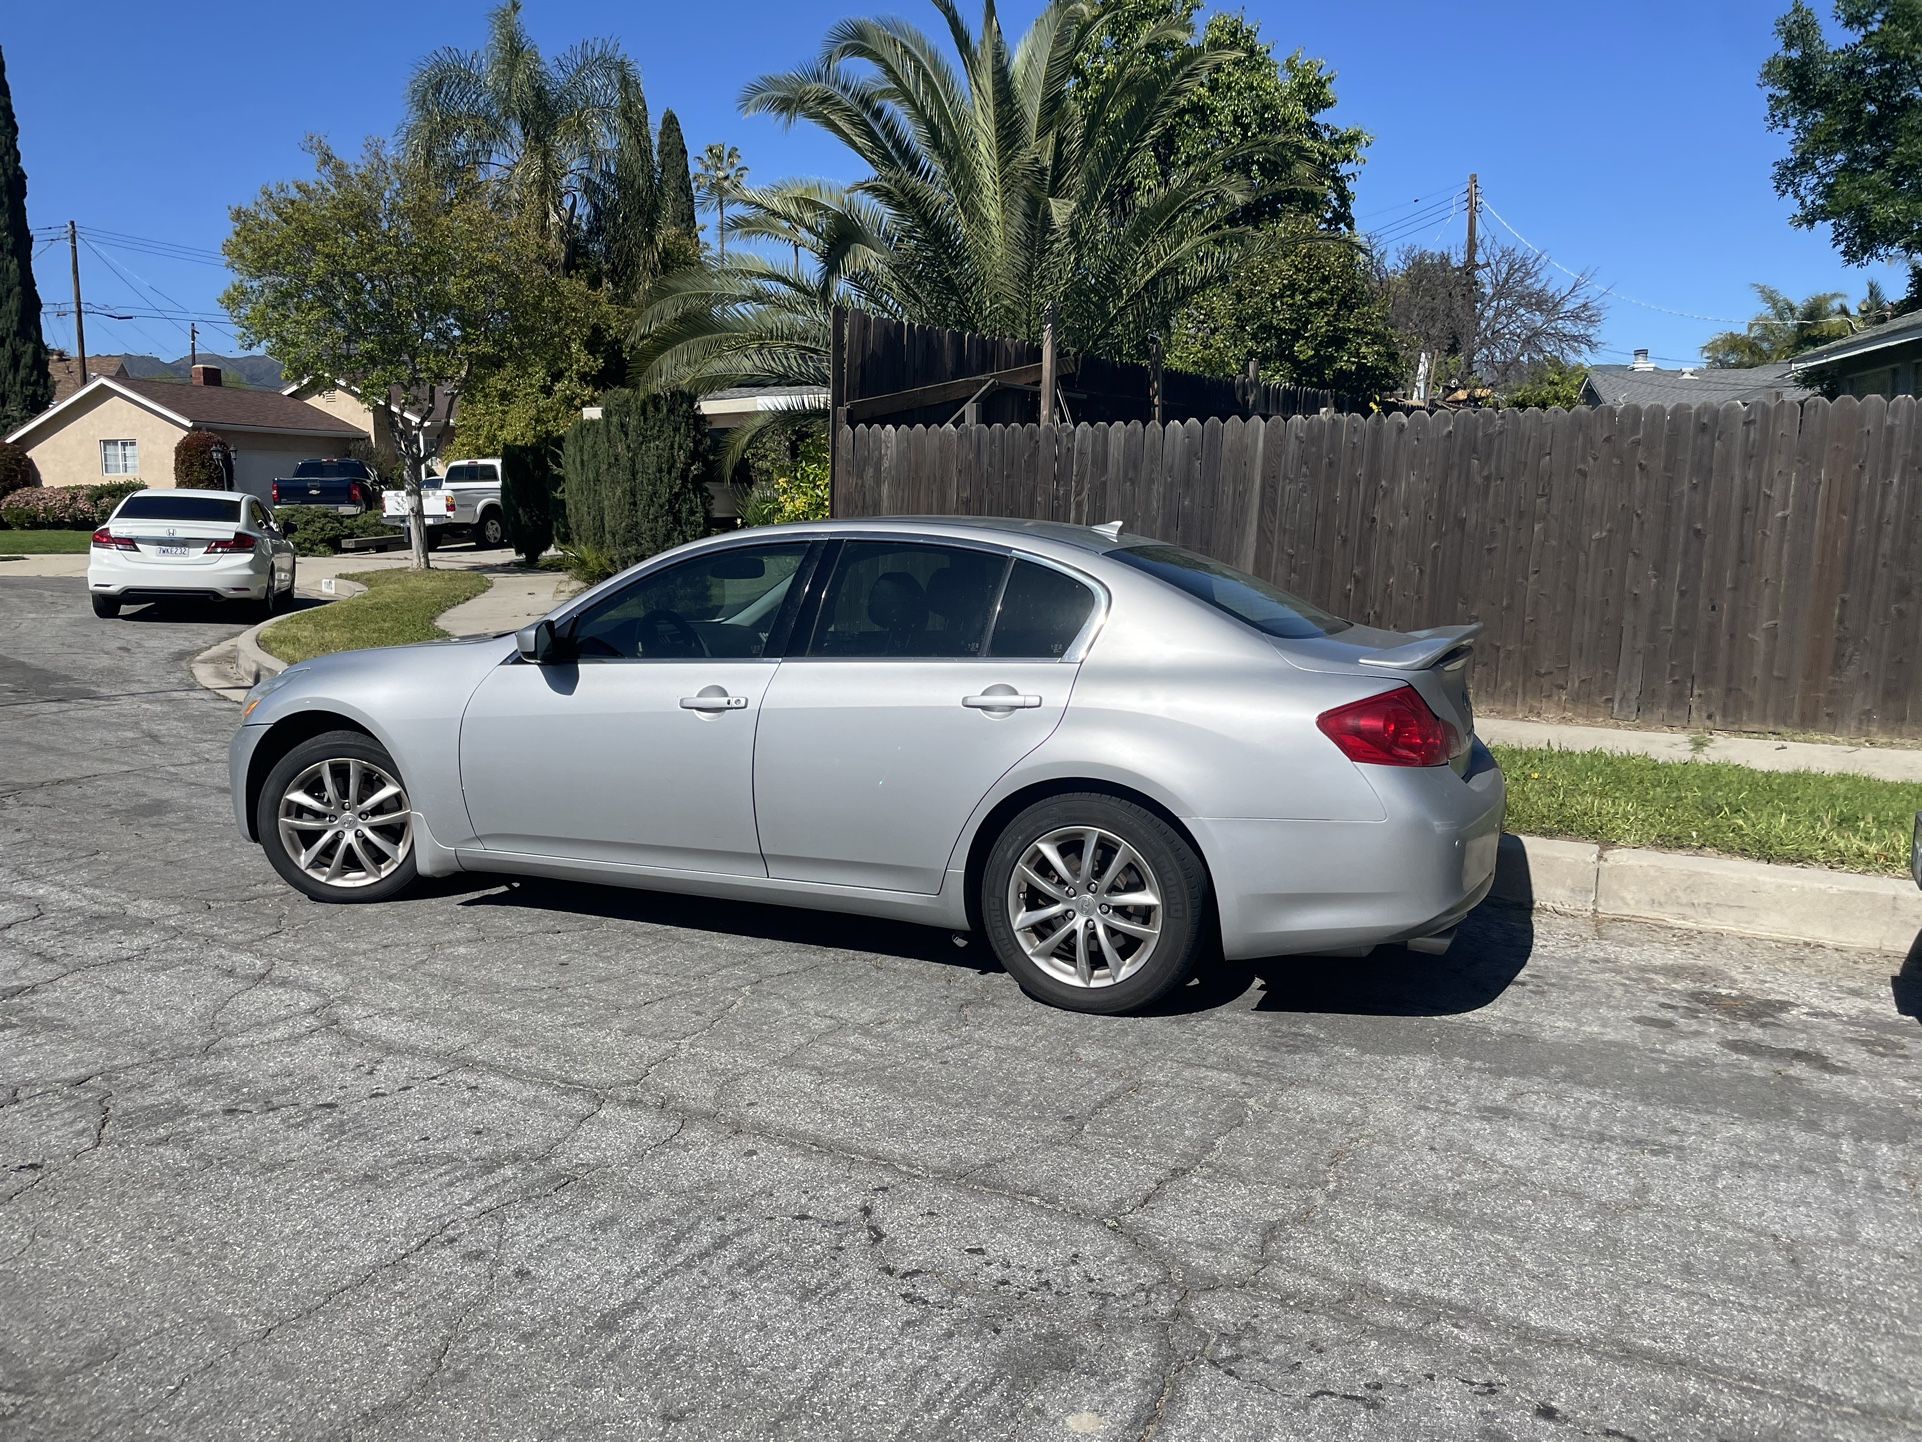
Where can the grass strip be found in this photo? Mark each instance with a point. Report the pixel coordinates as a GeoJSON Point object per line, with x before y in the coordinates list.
{"type": "Point", "coordinates": [398, 609]}
{"type": "Point", "coordinates": [1848, 823]}
{"type": "Point", "coordinates": [45, 543]}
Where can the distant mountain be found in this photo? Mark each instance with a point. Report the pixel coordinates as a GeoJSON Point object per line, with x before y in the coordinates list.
{"type": "Point", "coordinates": [259, 371]}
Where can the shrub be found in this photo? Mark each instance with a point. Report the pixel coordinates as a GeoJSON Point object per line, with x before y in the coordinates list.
{"type": "Point", "coordinates": [318, 531]}
{"type": "Point", "coordinates": [797, 491]}
{"type": "Point", "coordinates": [63, 508]}
{"type": "Point", "coordinates": [17, 471]}
{"type": "Point", "coordinates": [530, 487]}
{"type": "Point", "coordinates": [635, 480]}
{"type": "Point", "coordinates": [200, 462]}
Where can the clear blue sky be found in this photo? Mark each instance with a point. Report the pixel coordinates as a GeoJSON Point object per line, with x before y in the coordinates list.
{"type": "Point", "coordinates": [1628, 137]}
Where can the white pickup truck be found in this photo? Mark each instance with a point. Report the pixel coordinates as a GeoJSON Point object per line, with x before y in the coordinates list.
{"type": "Point", "coordinates": [465, 500]}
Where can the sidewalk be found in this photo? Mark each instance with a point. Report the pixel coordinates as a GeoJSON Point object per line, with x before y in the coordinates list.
{"type": "Point", "coordinates": [1761, 753]}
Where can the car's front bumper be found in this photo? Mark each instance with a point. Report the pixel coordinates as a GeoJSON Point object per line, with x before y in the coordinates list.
{"type": "Point", "coordinates": [1304, 886]}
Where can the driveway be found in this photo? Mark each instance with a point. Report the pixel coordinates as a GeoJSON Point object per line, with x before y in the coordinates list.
{"type": "Point", "coordinates": [543, 1161]}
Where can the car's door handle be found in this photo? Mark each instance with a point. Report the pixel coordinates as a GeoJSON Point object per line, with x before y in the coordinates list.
{"type": "Point", "coordinates": [1005, 700]}
{"type": "Point", "coordinates": [705, 702]}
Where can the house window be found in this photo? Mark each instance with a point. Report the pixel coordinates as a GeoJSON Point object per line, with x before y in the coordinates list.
{"type": "Point", "coordinates": [120, 458]}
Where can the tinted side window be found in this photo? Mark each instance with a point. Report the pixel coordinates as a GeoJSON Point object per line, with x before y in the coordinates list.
{"type": "Point", "coordinates": [722, 604]}
{"type": "Point", "coordinates": [1042, 611]}
{"type": "Point", "coordinates": [889, 599]}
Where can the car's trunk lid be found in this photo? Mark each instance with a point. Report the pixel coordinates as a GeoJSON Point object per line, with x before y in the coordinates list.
{"type": "Point", "coordinates": [1437, 662]}
{"type": "Point", "coordinates": [175, 542]}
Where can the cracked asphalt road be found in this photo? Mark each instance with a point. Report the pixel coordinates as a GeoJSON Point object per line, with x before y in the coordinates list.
{"type": "Point", "coordinates": [548, 1162]}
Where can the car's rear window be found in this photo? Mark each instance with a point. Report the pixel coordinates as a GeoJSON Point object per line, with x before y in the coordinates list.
{"type": "Point", "coordinates": [1267, 608]}
{"type": "Point", "coordinates": [471, 471]}
{"type": "Point", "coordinates": [330, 471]}
{"type": "Point", "coordinates": [158, 507]}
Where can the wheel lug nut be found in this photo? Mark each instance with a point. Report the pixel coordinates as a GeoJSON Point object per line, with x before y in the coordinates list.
{"type": "Point", "coordinates": [1104, 908]}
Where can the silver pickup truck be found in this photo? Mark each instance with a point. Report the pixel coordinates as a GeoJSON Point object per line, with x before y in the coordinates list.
{"type": "Point", "coordinates": [464, 501]}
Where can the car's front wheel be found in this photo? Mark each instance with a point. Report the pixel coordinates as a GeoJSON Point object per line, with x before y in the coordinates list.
{"type": "Point", "coordinates": [108, 606]}
{"type": "Point", "coordinates": [335, 820]}
{"type": "Point", "coordinates": [1094, 904]}
{"type": "Point", "coordinates": [492, 532]}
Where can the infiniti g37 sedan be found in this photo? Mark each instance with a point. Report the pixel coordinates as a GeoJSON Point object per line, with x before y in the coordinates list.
{"type": "Point", "coordinates": [1108, 755]}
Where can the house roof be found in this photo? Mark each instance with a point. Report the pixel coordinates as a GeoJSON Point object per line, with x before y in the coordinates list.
{"type": "Point", "coordinates": [65, 370]}
{"type": "Point", "coordinates": [444, 411]}
{"type": "Point", "coordinates": [1703, 385]}
{"type": "Point", "coordinates": [1899, 331]}
{"type": "Point", "coordinates": [214, 407]}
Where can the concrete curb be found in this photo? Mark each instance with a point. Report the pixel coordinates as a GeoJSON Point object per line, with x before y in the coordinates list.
{"type": "Point", "coordinates": [231, 667]}
{"type": "Point", "coordinates": [1710, 893]}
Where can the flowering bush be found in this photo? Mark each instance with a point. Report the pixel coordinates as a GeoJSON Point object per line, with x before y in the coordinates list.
{"type": "Point", "coordinates": [63, 508]}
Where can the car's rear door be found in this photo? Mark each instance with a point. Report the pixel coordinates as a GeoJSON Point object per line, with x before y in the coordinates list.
{"type": "Point", "coordinates": [639, 752]}
{"type": "Point", "coordinates": [926, 671]}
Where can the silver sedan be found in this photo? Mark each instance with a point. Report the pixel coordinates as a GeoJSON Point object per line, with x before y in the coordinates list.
{"type": "Point", "coordinates": [1107, 755]}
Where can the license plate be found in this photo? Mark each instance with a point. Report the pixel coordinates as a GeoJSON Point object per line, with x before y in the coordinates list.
{"type": "Point", "coordinates": [172, 549]}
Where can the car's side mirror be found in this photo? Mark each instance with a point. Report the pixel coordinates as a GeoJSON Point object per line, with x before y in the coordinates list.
{"type": "Point", "coordinates": [541, 643]}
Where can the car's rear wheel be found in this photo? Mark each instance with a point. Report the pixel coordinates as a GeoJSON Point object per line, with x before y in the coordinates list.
{"type": "Point", "coordinates": [106, 605]}
{"type": "Point", "coordinates": [335, 820]}
{"type": "Point", "coordinates": [1094, 904]}
{"type": "Point", "coordinates": [492, 532]}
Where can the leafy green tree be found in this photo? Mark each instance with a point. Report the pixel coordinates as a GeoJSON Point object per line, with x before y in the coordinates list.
{"type": "Point", "coordinates": [17, 470]}
{"type": "Point", "coordinates": [530, 494]}
{"type": "Point", "coordinates": [565, 352]}
{"type": "Point", "coordinates": [677, 180]}
{"type": "Point", "coordinates": [26, 385]}
{"type": "Point", "coordinates": [201, 461]}
{"type": "Point", "coordinates": [539, 132]}
{"type": "Point", "coordinates": [624, 202]}
{"type": "Point", "coordinates": [719, 178]}
{"type": "Point", "coordinates": [1784, 327]}
{"type": "Point", "coordinates": [1556, 384]}
{"type": "Point", "coordinates": [1247, 96]}
{"type": "Point", "coordinates": [1853, 116]}
{"type": "Point", "coordinates": [635, 480]}
{"type": "Point", "coordinates": [387, 273]}
{"type": "Point", "coordinates": [1304, 308]}
{"type": "Point", "coordinates": [994, 189]}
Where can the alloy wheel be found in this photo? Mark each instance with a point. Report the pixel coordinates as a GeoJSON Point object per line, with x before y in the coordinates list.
{"type": "Point", "coordinates": [1085, 906]}
{"type": "Point", "coordinates": [345, 822]}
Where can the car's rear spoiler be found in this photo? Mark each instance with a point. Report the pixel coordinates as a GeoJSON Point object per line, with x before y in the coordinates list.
{"type": "Point", "coordinates": [1426, 649]}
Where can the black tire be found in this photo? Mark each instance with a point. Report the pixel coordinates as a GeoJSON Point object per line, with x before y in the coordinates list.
{"type": "Point", "coordinates": [1185, 912]}
{"type": "Point", "coordinates": [491, 533]}
{"type": "Point", "coordinates": [328, 746]}
{"type": "Point", "coordinates": [433, 537]}
{"type": "Point", "coordinates": [106, 606]}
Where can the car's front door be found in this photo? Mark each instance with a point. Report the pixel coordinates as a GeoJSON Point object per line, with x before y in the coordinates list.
{"type": "Point", "coordinates": [639, 748]}
{"type": "Point", "coordinates": [929, 670]}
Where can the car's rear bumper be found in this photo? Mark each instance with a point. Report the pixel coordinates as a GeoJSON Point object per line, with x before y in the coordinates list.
{"type": "Point", "coordinates": [242, 578]}
{"type": "Point", "coordinates": [1306, 886]}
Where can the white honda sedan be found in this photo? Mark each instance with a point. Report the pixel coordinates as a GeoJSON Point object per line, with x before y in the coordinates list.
{"type": "Point", "coordinates": [164, 545]}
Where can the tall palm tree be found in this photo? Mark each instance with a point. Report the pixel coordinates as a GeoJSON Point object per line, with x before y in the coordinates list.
{"type": "Point", "coordinates": [540, 131]}
{"type": "Point", "coordinates": [1784, 327]}
{"type": "Point", "coordinates": [996, 188]}
{"type": "Point", "coordinates": [719, 177]}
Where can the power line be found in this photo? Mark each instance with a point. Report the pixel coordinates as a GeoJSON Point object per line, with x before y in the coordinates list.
{"type": "Point", "coordinates": [184, 312]}
{"type": "Point", "coordinates": [120, 240]}
{"type": "Point", "coordinates": [1418, 200]}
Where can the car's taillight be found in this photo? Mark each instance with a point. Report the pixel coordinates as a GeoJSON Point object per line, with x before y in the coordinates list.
{"type": "Point", "coordinates": [108, 541]}
{"type": "Point", "coordinates": [1395, 728]}
{"type": "Point", "coordinates": [232, 545]}
{"type": "Point", "coordinates": [276, 496]}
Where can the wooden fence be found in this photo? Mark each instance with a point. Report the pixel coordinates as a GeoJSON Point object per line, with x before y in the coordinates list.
{"type": "Point", "coordinates": [1739, 567]}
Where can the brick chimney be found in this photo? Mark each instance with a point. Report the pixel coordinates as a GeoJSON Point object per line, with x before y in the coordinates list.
{"type": "Point", "coordinates": [206, 375]}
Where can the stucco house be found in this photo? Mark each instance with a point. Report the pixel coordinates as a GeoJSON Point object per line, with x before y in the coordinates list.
{"type": "Point", "coordinates": [117, 428]}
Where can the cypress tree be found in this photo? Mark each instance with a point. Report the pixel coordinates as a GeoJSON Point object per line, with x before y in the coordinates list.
{"type": "Point", "coordinates": [677, 179]}
{"type": "Point", "coordinates": [26, 386]}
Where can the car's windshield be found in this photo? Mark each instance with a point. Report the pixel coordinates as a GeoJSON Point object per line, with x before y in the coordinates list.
{"type": "Point", "coordinates": [158, 506]}
{"type": "Point", "coordinates": [329, 471]}
{"type": "Point", "coordinates": [1267, 608]}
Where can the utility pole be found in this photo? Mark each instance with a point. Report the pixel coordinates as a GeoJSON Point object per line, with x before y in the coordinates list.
{"type": "Point", "coordinates": [1468, 341]}
{"type": "Point", "coordinates": [79, 316]}
{"type": "Point", "coordinates": [193, 344]}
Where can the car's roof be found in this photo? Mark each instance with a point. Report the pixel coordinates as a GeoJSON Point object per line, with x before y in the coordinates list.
{"type": "Point", "coordinates": [1007, 529]}
{"type": "Point", "coordinates": [188, 491]}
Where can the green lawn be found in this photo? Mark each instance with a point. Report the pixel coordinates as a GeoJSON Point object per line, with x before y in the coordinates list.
{"type": "Point", "coordinates": [1850, 823]}
{"type": "Point", "coordinates": [398, 608]}
{"type": "Point", "coordinates": [44, 543]}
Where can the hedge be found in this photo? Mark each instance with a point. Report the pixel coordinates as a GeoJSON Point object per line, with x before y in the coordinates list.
{"type": "Point", "coordinates": [635, 481]}
{"type": "Point", "coordinates": [17, 471]}
{"type": "Point", "coordinates": [64, 508]}
{"type": "Point", "coordinates": [319, 530]}
{"type": "Point", "coordinates": [530, 495]}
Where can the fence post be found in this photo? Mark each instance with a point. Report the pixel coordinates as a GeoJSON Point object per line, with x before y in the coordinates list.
{"type": "Point", "coordinates": [1047, 365]}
